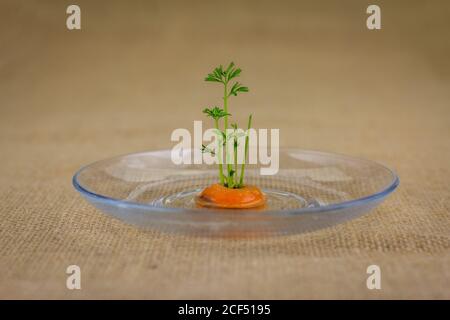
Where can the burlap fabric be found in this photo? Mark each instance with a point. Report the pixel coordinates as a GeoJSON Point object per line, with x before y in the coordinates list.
{"type": "Point", "coordinates": [134, 73]}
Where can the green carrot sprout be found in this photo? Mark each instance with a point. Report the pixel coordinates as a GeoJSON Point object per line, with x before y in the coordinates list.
{"type": "Point", "coordinates": [224, 76]}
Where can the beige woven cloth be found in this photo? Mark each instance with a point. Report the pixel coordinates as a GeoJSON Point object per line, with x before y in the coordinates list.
{"type": "Point", "coordinates": [134, 73]}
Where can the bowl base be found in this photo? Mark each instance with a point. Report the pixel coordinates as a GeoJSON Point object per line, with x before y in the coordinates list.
{"type": "Point", "coordinates": [275, 200]}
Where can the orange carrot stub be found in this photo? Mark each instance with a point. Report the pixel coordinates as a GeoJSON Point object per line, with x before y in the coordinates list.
{"type": "Point", "coordinates": [218, 196]}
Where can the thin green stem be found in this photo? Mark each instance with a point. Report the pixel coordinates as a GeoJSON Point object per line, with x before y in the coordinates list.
{"type": "Point", "coordinates": [235, 158]}
{"type": "Point", "coordinates": [241, 180]}
{"type": "Point", "coordinates": [219, 154]}
{"type": "Point", "coordinates": [230, 181]}
{"type": "Point", "coordinates": [225, 104]}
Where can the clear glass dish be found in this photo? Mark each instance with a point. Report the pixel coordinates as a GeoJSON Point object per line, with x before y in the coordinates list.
{"type": "Point", "coordinates": [311, 190]}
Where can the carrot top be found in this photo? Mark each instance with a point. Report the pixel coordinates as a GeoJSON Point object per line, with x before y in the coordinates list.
{"type": "Point", "coordinates": [230, 178]}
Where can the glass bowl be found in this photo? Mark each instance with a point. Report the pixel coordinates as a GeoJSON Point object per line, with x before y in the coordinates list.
{"type": "Point", "coordinates": [311, 190]}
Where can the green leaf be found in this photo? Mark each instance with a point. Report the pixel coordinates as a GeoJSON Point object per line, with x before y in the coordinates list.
{"type": "Point", "coordinates": [237, 87]}
{"type": "Point", "coordinates": [242, 89]}
{"type": "Point", "coordinates": [219, 72]}
{"type": "Point", "coordinates": [223, 76]}
{"type": "Point", "coordinates": [235, 73]}
{"type": "Point", "coordinates": [231, 65]}
{"type": "Point", "coordinates": [215, 113]}
{"type": "Point", "coordinates": [205, 149]}
{"type": "Point", "coordinates": [234, 88]}
{"type": "Point", "coordinates": [236, 135]}
{"type": "Point", "coordinates": [212, 78]}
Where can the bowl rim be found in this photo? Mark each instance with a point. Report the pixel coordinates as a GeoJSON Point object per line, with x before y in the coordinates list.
{"type": "Point", "coordinates": [290, 212]}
